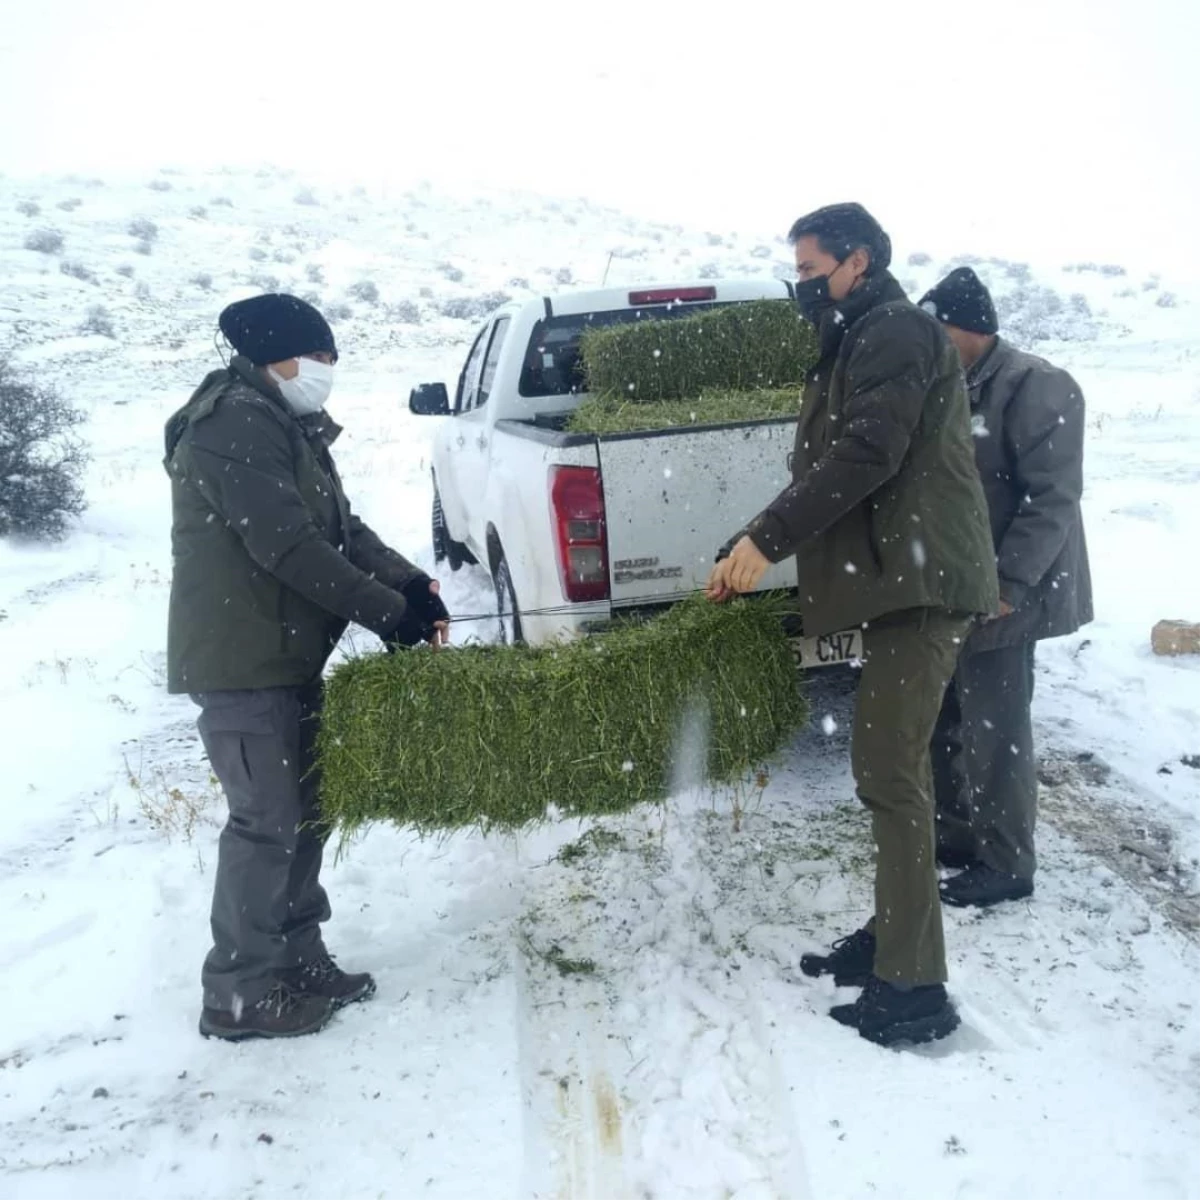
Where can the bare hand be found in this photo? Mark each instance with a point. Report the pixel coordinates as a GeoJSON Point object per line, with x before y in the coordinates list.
{"type": "Point", "coordinates": [747, 564]}
{"type": "Point", "coordinates": [719, 589]}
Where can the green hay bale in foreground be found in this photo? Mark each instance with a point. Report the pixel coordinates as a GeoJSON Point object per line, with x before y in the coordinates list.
{"type": "Point", "coordinates": [494, 736]}
{"type": "Point", "coordinates": [738, 347]}
{"type": "Point", "coordinates": [603, 414]}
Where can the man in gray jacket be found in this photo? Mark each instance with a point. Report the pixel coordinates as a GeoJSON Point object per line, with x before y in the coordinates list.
{"type": "Point", "coordinates": [1028, 420]}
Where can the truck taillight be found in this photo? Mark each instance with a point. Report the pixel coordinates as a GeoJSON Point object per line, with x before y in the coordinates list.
{"type": "Point", "coordinates": [677, 295]}
{"type": "Point", "coordinates": [577, 511]}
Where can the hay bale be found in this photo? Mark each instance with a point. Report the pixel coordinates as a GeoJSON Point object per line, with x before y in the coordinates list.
{"type": "Point", "coordinates": [740, 347]}
{"type": "Point", "coordinates": [605, 414]}
{"type": "Point", "coordinates": [495, 736]}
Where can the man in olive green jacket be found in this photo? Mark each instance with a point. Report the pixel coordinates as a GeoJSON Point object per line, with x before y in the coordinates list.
{"type": "Point", "coordinates": [888, 523]}
{"type": "Point", "coordinates": [1028, 419]}
{"type": "Point", "coordinates": [270, 566]}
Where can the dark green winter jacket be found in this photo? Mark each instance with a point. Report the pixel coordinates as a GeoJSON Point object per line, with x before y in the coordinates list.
{"type": "Point", "coordinates": [270, 564]}
{"type": "Point", "coordinates": [885, 511]}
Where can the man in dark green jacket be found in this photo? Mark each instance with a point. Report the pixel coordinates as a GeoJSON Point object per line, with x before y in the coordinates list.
{"type": "Point", "coordinates": [270, 566]}
{"type": "Point", "coordinates": [1028, 421]}
{"type": "Point", "coordinates": [888, 523]}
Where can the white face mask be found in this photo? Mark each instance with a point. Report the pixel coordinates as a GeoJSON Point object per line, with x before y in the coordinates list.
{"type": "Point", "coordinates": [310, 388]}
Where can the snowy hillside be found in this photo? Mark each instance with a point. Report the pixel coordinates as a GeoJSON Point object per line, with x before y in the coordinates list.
{"type": "Point", "coordinates": [608, 1012]}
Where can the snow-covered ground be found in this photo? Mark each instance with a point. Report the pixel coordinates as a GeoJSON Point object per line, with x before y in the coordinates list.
{"type": "Point", "coordinates": [603, 1012]}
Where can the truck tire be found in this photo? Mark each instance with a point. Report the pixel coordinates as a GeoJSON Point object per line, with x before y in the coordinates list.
{"type": "Point", "coordinates": [445, 548]}
{"type": "Point", "coordinates": [508, 613]}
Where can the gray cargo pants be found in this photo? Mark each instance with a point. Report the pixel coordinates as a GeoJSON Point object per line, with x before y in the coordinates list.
{"type": "Point", "coordinates": [984, 768]}
{"type": "Point", "coordinates": [268, 903]}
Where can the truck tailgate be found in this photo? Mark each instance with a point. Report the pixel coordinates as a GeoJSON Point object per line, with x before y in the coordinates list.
{"type": "Point", "coordinates": [672, 498]}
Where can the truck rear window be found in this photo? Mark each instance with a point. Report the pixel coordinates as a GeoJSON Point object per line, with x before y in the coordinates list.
{"type": "Point", "coordinates": [552, 366]}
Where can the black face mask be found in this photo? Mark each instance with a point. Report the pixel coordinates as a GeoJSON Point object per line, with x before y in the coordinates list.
{"type": "Point", "coordinates": [813, 298]}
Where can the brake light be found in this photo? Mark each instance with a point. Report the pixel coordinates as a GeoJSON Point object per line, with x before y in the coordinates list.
{"type": "Point", "coordinates": [577, 512]}
{"type": "Point", "coordinates": [672, 295]}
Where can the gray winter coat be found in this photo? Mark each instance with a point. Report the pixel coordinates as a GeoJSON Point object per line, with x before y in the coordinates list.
{"type": "Point", "coordinates": [1028, 420]}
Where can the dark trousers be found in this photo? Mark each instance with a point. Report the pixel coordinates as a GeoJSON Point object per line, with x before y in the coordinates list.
{"type": "Point", "coordinates": [908, 659]}
{"type": "Point", "coordinates": [985, 772]}
{"type": "Point", "coordinates": [268, 903]}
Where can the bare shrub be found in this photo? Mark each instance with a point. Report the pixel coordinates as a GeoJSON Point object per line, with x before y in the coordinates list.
{"type": "Point", "coordinates": [406, 312]}
{"type": "Point", "coordinates": [143, 229]}
{"type": "Point", "coordinates": [76, 270]}
{"type": "Point", "coordinates": [42, 460]}
{"type": "Point", "coordinates": [473, 308]}
{"type": "Point", "coordinates": [45, 241]}
{"type": "Point", "coordinates": [364, 290]}
{"type": "Point", "coordinates": [98, 321]}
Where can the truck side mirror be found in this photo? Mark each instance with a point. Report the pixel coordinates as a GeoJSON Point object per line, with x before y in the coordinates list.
{"type": "Point", "coordinates": [429, 400]}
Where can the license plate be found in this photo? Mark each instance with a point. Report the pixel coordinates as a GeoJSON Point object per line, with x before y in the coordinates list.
{"type": "Point", "coordinates": [828, 650]}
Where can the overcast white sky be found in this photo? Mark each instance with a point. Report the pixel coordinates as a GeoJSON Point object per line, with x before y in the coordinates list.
{"type": "Point", "coordinates": [1050, 130]}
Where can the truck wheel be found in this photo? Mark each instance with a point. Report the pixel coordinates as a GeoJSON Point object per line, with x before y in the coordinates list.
{"type": "Point", "coordinates": [509, 614]}
{"type": "Point", "coordinates": [445, 548]}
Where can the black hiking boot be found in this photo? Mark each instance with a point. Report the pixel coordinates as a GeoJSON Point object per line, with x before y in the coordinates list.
{"type": "Point", "coordinates": [981, 887]}
{"type": "Point", "coordinates": [850, 962]}
{"type": "Point", "coordinates": [886, 1015]}
{"type": "Point", "coordinates": [282, 1012]}
{"type": "Point", "coordinates": [954, 858]}
{"type": "Point", "coordinates": [324, 978]}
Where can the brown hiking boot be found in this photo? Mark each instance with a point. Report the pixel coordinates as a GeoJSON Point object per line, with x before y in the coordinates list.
{"type": "Point", "coordinates": [282, 1012]}
{"type": "Point", "coordinates": [323, 977]}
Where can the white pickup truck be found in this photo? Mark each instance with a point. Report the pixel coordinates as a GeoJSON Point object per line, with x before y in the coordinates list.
{"type": "Point", "coordinates": [578, 528]}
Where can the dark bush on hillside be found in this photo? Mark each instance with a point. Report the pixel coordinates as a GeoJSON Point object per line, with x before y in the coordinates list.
{"type": "Point", "coordinates": [41, 459]}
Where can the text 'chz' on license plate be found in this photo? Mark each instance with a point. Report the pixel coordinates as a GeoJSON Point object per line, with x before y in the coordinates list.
{"type": "Point", "coordinates": [828, 650]}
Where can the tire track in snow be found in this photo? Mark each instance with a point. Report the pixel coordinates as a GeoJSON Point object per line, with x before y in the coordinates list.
{"type": "Point", "coordinates": [647, 1064]}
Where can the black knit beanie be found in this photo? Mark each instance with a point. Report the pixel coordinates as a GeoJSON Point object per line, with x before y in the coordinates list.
{"type": "Point", "coordinates": [275, 327]}
{"type": "Point", "coordinates": [962, 300]}
{"type": "Point", "coordinates": [843, 228]}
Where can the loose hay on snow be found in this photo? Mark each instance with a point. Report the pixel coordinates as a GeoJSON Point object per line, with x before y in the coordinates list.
{"type": "Point", "coordinates": [738, 347]}
{"type": "Point", "coordinates": [497, 736]}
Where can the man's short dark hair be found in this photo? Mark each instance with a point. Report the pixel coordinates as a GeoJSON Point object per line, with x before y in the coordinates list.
{"type": "Point", "coordinates": [840, 229]}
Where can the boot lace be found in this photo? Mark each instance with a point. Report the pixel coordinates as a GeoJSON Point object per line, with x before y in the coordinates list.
{"type": "Point", "coordinates": [279, 1001]}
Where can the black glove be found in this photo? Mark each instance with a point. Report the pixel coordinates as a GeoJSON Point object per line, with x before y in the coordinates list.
{"type": "Point", "coordinates": [423, 604]}
{"type": "Point", "coordinates": [409, 631]}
